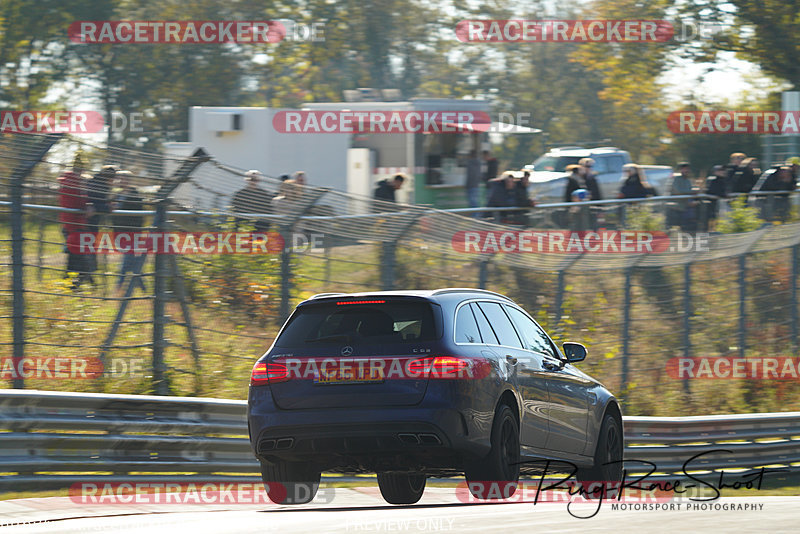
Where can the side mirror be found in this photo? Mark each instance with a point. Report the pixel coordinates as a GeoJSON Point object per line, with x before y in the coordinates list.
{"type": "Point", "coordinates": [575, 352]}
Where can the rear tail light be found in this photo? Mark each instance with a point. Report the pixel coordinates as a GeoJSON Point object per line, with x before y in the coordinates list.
{"type": "Point", "coordinates": [448, 367]}
{"type": "Point", "coordinates": [268, 373]}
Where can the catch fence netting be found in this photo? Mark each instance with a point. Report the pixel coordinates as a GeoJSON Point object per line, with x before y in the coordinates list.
{"type": "Point", "coordinates": [194, 323]}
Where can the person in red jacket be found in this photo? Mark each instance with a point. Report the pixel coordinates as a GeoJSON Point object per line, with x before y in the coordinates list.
{"type": "Point", "coordinates": [72, 194]}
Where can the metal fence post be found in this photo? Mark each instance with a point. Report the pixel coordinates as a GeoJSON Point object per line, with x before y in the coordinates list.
{"type": "Point", "coordinates": [795, 271]}
{"type": "Point", "coordinates": [742, 302]}
{"type": "Point", "coordinates": [17, 254]}
{"type": "Point", "coordinates": [626, 323]}
{"type": "Point", "coordinates": [286, 273]}
{"type": "Point", "coordinates": [286, 229]}
{"type": "Point", "coordinates": [388, 264]}
{"type": "Point", "coordinates": [181, 175]}
{"type": "Point", "coordinates": [768, 157]}
{"type": "Point", "coordinates": [769, 214]}
{"type": "Point", "coordinates": [40, 250]}
{"type": "Point", "coordinates": [388, 257]}
{"type": "Point", "coordinates": [327, 243]}
{"type": "Point", "coordinates": [180, 289]}
{"type": "Point", "coordinates": [483, 273]}
{"type": "Point", "coordinates": [160, 380]}
{"type": "Point", "coordinates": [702, 215]}
{"type": "Point", "coordinates": [687, 315]}
{"type": "Point", "coordinates": [559, 308]}
{"type": "Point", "coordinates": [18, 279]}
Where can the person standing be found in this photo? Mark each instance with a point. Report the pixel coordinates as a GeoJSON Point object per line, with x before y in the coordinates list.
{"type": "Point", "coordinates": [634, 183]}
{"type": "Point", "coordinates": [128, 199]}
{"type": "Point", "coordinates": [734, 165]}
{"type": "Point", "coordinates": [491, 166]}
{"type": "Point", "coordinates": [503, 193]}
{"type": "Point", "coordinates": [746, 176]}
{"type": "Point", "coordinates": [716, 185]}
{"type": "Point", "coordinates": [99, 195]}
{"type": "Point", "coordinates": [385, 191]}
{"type": "Point", "coordinates": [781, 180]}
{"type": "Point", "coordinates": [523, 198]}
{"type": "Point", "coordinates": [589, 176]}
{"type": "Point", "coordinates": [72, 195]}
{"type": "Point", "coordinates": [682, 211]}
{"type": "Point", "coordinates": [253, 199]}
{"type": "Point", "coordinates": [580, 180]}
{"type": "Point", "coordinates": [794, 165]}
{"type": "Point", "coordinates": [289, 200]}
{"type": "Point", "coordinates": [472, 183]}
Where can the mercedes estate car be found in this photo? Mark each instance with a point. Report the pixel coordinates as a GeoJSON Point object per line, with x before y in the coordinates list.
{"type": "Point", "coordinates": [414, 384]}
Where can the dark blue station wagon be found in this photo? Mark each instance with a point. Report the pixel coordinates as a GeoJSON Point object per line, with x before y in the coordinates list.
{"type": "Point", "coordinates": [412, 384]}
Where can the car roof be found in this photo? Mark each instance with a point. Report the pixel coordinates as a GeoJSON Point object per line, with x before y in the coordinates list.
{"type": "Point", "coordinates": [583, 152]}
{"type": "Point", "coordinates": [430, 294]}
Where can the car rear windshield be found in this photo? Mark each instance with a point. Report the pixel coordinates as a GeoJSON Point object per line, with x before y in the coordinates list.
{"type": "Point", "coordinates": [554, 163]}
{"type": "Point", "coordinates": [367, 321]}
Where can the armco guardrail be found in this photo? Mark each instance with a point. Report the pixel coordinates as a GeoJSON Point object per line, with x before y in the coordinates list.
{"type": "Point", "coordinates": [54, 439]}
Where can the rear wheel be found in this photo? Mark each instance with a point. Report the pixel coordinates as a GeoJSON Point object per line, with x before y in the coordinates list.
{"type": "Point", "coordinates": [607, 468]}
{"type": "Point", "coordinates": [290, 482]}
{"type": "Point", "coordinates": [496, 476]}
{"type": "Point", "coordinates": [401, 488]}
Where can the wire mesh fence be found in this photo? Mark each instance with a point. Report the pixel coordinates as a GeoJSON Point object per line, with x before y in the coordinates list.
{"type": "Point", "coordinates": [192, 320]}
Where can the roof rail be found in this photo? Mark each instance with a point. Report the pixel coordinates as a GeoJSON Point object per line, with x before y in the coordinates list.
{"type": "Point", "coordinates": [568, 147]}
{"type": "Point", "coordinates": [606, 148]}
{"type": "Point", "coordinates": [469, 290]}
{"type": "Point", "coordinates": [320, 295]}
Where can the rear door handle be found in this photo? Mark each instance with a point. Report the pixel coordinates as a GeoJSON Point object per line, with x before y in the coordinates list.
{"type": "Point", "coordinates": [512, 360]}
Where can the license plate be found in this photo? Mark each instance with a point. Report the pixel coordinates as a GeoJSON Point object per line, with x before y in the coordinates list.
{"type": "Point", "coordinates": [352, 375]}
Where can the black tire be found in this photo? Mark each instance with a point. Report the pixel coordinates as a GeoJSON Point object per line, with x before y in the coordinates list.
{"type": "Point", "coordinates": [608, 455]}
{"type": "Point", "coordinates": [501, 465]}
{"type": "Point", "coordinates": [290, 482]}
{"type": "Point", "coordinates": [401, 488]}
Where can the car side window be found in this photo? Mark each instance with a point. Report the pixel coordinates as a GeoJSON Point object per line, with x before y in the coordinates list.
{"type": "Point", "coordinates": [483, 326]}
{"type": "Point", "coordinates": [501, 324]}
{"type": "Point", "coordinates": [532, 335]}
{"type": "Point", "coordinates": [615, 164]}
{"type": "Point", "coordinates": [466, 327]}
{"type": "Point", "coordinates": [600, 164]}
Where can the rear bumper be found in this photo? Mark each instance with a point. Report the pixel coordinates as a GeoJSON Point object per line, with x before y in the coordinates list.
{"type": "Point", "coordinates": [426, 436]}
